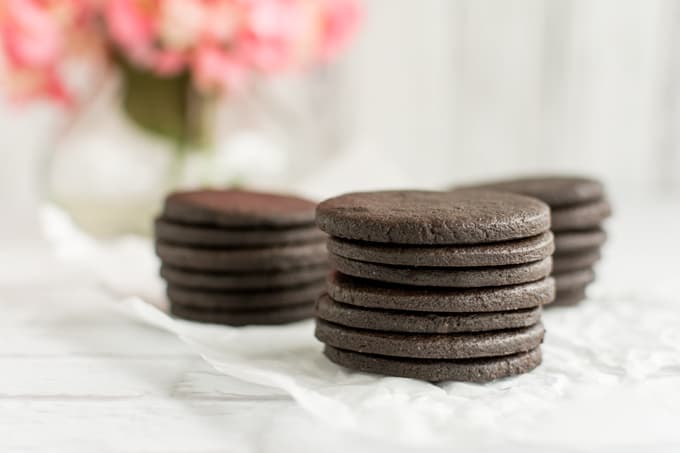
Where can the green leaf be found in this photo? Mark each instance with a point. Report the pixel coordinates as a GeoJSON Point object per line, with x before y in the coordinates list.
{"type": "Point", "coordinates": [158, 104]}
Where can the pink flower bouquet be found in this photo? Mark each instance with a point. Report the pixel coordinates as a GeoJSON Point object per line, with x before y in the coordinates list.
{"type": "Point", "coordinates": [171, 52]}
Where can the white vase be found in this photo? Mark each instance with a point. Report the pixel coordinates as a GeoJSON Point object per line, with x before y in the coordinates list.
{"type": "Point", "coordinates": [110, 175]}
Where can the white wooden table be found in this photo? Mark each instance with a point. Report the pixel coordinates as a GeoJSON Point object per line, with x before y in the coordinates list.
{"type": "Point", "coordinates": [77, 375]}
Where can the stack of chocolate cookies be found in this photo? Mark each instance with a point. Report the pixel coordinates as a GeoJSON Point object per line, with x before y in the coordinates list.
{"type": "Point", "coordinates": [435, 285]}
{"type": "Point", "coordinates": [236, 257]}
{"type": "Point", "coordinates": [579, 207]}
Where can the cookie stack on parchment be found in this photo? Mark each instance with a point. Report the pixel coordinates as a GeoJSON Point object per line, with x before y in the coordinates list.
{"type": "Point", "coordinates": [579, 207]}
{"type": "Point", "coordinates": [435, 285]}
{"type": "Point", "coordinates": [236, 257]}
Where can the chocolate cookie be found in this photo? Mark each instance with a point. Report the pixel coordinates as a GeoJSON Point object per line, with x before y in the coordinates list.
{"type": "Point", "coordinates": [431, 346]}
{"type": "Point", "coordinates": [583, 259]}
{"type": "Point", "coordinates": [241, 281]}
{"type": "Point", "coordinates": [269, 316]}
{"type": "Point", "coordinates": [493, 254]}
{"type": "Point", "coordinates": [570, 297]}
{"type": "Point", "coordinates": [580, 217]}
{"type": "Point", "coordinates": [556, 191]}
{"type": "Point", "coordinates": [415, 322]}
{"type": "Point", "coordinates": [422, 218]}
{"type": "Point", "coordinates": [207, 236]}
{"type": "Point", "coordinates": [245, 300]}
{"type": "Point", "coordinates": [572, 241]}
{"type": "Point", "coordinates": [447, 277]}
{"type": "Point", "coordinates": [238, 209]}
{"type": "Point", "coordinates": [468, 370]}
{"type": "Point", "coordinates": [567, 281]}
{"type": "Point", "coordinates": [371, 294]}
{"type": "Point", "coordinates": [285, 257]}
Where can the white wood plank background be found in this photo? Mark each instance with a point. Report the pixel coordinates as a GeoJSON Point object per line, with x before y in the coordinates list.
{"type": "Point", "coordinates": [475, 88]}
{"type": "Point", "coordinates": [77, 375]}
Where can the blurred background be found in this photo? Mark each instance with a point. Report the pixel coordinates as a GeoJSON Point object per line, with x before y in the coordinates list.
{"type": "Point", "coordinates": [438, 92]}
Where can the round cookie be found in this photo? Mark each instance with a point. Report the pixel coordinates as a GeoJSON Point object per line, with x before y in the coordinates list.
{"type": "Point", "coordinates": [285, 257]}
{"type": "Point", "coordinates": [238, 209]}
{"type": "Point", "coordinates": [245, 300]}
{"type": "Point", "coordinates": [571, 297]}
{"type": "Point", "coordinates": [468, 370]}
{"type": "Point", "coordinates": [447, 277]}
{"type": "Point", "coordinates": [270, 316]}
{"type": "Point", "coordinates": [240, 281]}
{"type": "Point", "coordinates": [556, 191]}
{"type": "Point", "coordinates": [179, 233]}
{"type": "Point", "coordinates": [415, 322]}
{"type": "Point", "coordinates": [430, 346]}
{"type": "Point", "coordinates": [572, 241]}
{"type": "Point", "coordinates": [580, 217]}
{"type": "Point", "coordinates": [571, 280]}
{"type": "Point", "coordinates": [428, 218]}
{"type": "Point", "coordinates": [495, 254]}
{"type": "Point", "coordinates": [369, 294]}
{"type": "Point", "coordinates": [574, 261]}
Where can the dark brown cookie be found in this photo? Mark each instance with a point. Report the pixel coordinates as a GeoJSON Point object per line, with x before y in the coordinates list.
{"type": "Point", "coordinates": [494, 254]}
{"type": "Point", "coordinates": [572, 241]}
{"type": "Point", "coordinates": [207, 236]}
{"type": "Point", "coordinates": [422, 218]}
{"type": "Point", "coordinates": [580, 217]}
{"type": "Point", "coordinates": [556, 191]}
{"type": "Point", "coordinates": [245, 300]}
{"type": "Point", "coordinates": [583, 259]}
{"type": "Point", "coordinates": [285, 257]}
{"type": "Point", "coordinates": [571, 297]}
{"type": "Point", "coordinates": [415, 322]}
{"type": "Point", "coordinates": [430, 346]}
{"type": "Point", "coordinates": [270, 316]}
{"type": "Point", "coordinates": [467, 370]}
{"type": "Point", "coordinates": [370, 294]}
{"type": "Point", "coordinates": [452, 277]}
{"type": "Point", "coordinates": [238, 208]}
{"type": "Point", "coordinates": [567, 281]}
{"type": "Point", "coordinates": [241, 281]}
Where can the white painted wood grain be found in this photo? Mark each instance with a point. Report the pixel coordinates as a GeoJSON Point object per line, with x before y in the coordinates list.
{"type": "Point", "coordinates": [74, 378]}
{"type": "Point", "coordinates": [603, 111]}
{"type": "Point", "coordinates": [86, 323]}
{"type": "Point", "coordinates": [500, 106]}
{"type": "Point", "coordinates": [143, 425]}
{"type": "Point", "coordinates": [467, 89]}
{"type": "Point", "coordinates": [78, 376]}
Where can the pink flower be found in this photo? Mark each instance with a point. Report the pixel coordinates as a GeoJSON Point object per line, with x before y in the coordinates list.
{"type": "Point", "coordinates": [222, 43]}
{"type": "Point", "coordinates": [168, 62]}
{"type": "Point", "coordinates": [181, 23]}
{"type": "Point", "coordinates": [34, 36]}
{"type": "Point", "coordinates": [339, 21]}
{"type": "Point", "coordinates": [31, 36]}
{"type": "Point", "coordinates": [270, 32]}
{"type": "Point", "coordinates": [131, 27]}
{"type": "Point", "coordinates": [134, 25]}
{"type": "Point", "coordinates": [221, 19]}
{"type": "Point", "coordinates": [217, 70]}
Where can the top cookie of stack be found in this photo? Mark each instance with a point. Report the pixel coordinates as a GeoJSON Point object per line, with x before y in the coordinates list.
{"type": "Point", "coordinates": [578, 208]}
{"type": "Point", "coordinates": [436, 285]}
{"type": "Point", "coordinates": [237, 257]}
